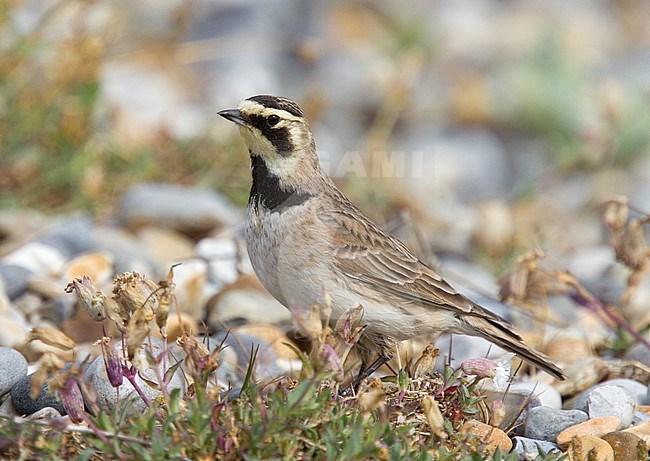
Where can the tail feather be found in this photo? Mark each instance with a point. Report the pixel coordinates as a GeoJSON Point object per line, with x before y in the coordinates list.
{"type": "Point", "coordinates": [501, 335]}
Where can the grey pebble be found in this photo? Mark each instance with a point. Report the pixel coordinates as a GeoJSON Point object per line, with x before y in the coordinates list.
{"type": "Point", "coordinates": [107, 397]}
{"type": "Point", "coordinates": [544, 423]}
{"type": "Point", "coordinates": [640, 417]}
{"type": "Point", "coordinates": [640, 353]}
{"type": "Point", "coordinates": [70, 237]}
{"type": "Point", "coordinates": [24, 404]}
{"type": "Point", "coordinates": [185, 209]}
{"type": "Point", "coordinates": [13, 368]}
{"type": "Point", "coordinates": [638, 390]}
{"type": "Point", "coordinates": [14, 279]}
{"type": "Point", "coordinates": [612, 401]}
{"type": "Point", "coordinates": [232, 372]}
{"type": "Point", "coordinates": [517, 405]}
{"type": "Point", "coordinates": [527, 448]}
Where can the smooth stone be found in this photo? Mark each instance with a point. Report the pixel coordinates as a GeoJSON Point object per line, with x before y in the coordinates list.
{"type": "Point", "coordinates": [638, 390]}
{"type": "Point", "coordinates": [71, 236]}
{"type": "Point", "coordinates": [13, 368]}
{"type": "Point", "coordinates": [13, 329]}
{"type": "Point", "coordinates": [39, 258]}
{"type": "Point", "coordinates": [596, 427]}
{"type": "Point", "coordinates": [238, 348]}
{"type": "Point", "coordinates": [544, 423]}
{"type": "Point", "coordinates": [590, 448]}
{"type": "Point", "coordinates": [639, 352]}
{"type": "Point", "coordinates": [272, 335]}
{"type": "Point", "coordinates": [128, 253]}
{"type": "Point", "coordinates": [5, 302]}
{"type": "Point", "coordinates": [222, 255]}
{"type": "Point", "coordinates": [189, 287]}
{"type": "Point", "coordinates": [7, 408]}
{"type": "Point", "coordinates": [46, 413]}
{"type": "Point", "coordinates": [626, 446]}
{"type": "Point", "coordinates": [248, 301]}
{"type": "Point", "coordinates": [642, 430]}
{"type": "Point", "coordinates": [611, 401]}
{"type": "Point", "coordinates": [107, 397]}
{"type": "Point", "coordinates": [641, 413]}
{"type": "Point", "coordinates": [82, 328]}
{"type": "Point", "coordinates": [547, 395]}
{"type": "Point", "coordinates": [529, 448]}
{"type": "Point", "coordinates": [24, 404]}
{"type": "Point", "coordinates": [517, 405]}
{"type": "Point", "coordinates": [189, 210]}
{"type": "Point", "coordinates": [580, 348]}
{"type": "Point", "coordinates": [493, 437]}
{"type": "Point", "coordinates": [15, 279]}
{"type": "Point", "coordinates": [97, 265]}
{"type": "Point", "coordinates": [165, 246]}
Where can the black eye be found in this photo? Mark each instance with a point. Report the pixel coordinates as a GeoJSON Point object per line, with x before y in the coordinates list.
{"type": "Point", "coordinates": [273, 120]}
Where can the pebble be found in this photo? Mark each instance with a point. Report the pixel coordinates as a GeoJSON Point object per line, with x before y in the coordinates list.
{"type": "Point", "coordinates": [15, 279]}
{"type": "Point", "coordinates": [98, 265]}
{"type": "Point", "coordinates": [165, 246]}
{"type": "Point", "coordinates": [627, 446]}
{"type": "Point", "coordinates": [222, 255]}
{"type": "Point", "coordinates": [246, 300]}
{"type": "Point", "coordinates": [129, 255]}
{"type": "Point", "coordinates": [595, 427]}
{"type": "Point", "coordinates": [13, 368]}
{"type": "Point", "coordinates": [641, 413]}
{"type": "Point", "coordinates": [529, 449]}
{"type": "Point", "coordinates": [611, 400]}
{"type": "Point", "coordinates": [107, 397]}
{"type": "Point", "coordinates": [7, 407]}
{"type": "Point", "coordinates": [590, 448]}
{"type": "Point", "coordinates": [38, 258]}
{"type": "Point", "coordinates": [547, 395]}
{"type": "Point", "coordinates": [24, 404]}
{"type": "Point", "coordinates": [272, 335]}
{"type": "Point", "coordinates": [188, 210]}
{"type": "Point", "coordinates": [71, 236]}
{"type": "Point", "coordinates": [236, 355]}
{"type": "Point", "coordinates": [517, 405]}
{"type": "Point", "coordinates": [580, 348]}
{"type": "Point", "coordinates": [492, 437]}
{"type": "Point", "coordinates": [642, 430]}
{"type": "Point", "coordinates": [189, 287]}
{"type": "Point", "coordinates": [638, 352]}
{"type": "Point", "coordinates": [46, 413]}
{"type": "Point", "coordinates": [14, 329]}
{"type": "Point", "coordinates": [639, 391]}
{"type": "Point", "coordinates": [544, 423]}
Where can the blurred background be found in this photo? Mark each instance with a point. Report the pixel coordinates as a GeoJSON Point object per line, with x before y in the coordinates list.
{"type": "Point", "coordinates": [475, 129]}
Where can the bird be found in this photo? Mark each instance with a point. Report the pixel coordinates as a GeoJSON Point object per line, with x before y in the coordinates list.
{"type": "Point", "coordinates": [307, 242]}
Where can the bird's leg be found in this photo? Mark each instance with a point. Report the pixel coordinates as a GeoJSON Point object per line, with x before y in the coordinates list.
{"type": "Point", "coordinates": [364, 372]}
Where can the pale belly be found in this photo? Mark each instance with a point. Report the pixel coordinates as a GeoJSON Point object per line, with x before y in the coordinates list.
{"type": "Point", "coordinates": [297, 273]}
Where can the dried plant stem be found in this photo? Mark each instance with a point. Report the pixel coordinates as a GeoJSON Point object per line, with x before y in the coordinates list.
{"type": "Point", "coordinates": [91, 429]}
{"type": "Point", "coordinates": [585, 299]}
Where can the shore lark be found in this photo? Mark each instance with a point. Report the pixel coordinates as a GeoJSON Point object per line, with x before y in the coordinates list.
{"type": "Point", "coordinates": [305, 239]}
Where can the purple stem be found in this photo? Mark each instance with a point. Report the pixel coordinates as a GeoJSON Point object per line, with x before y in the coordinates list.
{"type": "Point", "coordinates": [594, 305]}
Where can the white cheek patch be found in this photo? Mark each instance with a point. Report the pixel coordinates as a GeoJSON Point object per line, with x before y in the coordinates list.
{"type": "Point", "coordinates": [256, 142]}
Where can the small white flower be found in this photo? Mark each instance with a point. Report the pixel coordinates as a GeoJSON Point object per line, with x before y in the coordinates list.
{"type": "Point", "coordinates": [501, 371]}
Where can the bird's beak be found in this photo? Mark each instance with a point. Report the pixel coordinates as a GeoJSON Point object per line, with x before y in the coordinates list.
{"type": "Point", "coordinates": [234, 115]}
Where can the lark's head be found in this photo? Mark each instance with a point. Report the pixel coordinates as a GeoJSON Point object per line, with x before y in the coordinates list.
{"type": "Point", "coordinates": [276, 130]}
